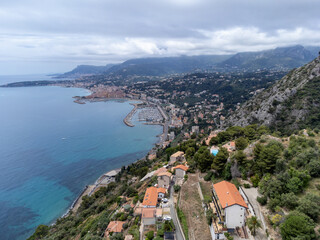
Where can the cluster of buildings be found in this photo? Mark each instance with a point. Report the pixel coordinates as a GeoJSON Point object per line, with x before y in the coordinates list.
{"type": "Point", "coordinates": [156, 206]}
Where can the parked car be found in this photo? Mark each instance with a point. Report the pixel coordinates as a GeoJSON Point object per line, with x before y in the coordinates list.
{"type": "Point", "coordinates": [165, 200]}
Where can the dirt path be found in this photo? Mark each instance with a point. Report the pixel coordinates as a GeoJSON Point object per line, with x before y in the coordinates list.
{"type": "Point", "coordinates": [191, 206]}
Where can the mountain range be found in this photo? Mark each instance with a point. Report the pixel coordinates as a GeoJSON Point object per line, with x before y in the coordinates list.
{"type": "Point", "coordinates": [284, 58]}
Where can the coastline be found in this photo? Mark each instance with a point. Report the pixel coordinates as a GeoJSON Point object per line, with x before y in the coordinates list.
{"type": "Point", "coordinates": [90, 189]}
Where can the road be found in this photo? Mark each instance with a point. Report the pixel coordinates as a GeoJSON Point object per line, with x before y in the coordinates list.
{"type": "Point", "coordinates": [179, 234]}
{"type": "Point", "coordinates": [252, 194]}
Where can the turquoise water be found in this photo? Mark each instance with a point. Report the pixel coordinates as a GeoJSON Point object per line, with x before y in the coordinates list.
{"type": "Point", "coordinates": [214, 152]}
{"type": "Point", "coordinates": [51, 147]}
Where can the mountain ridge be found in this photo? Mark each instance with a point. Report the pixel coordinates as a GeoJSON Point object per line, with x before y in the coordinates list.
{"type": "Point", "coordinates": [284, 58]}
{"type": "Point", "coordinates": [289, 104]}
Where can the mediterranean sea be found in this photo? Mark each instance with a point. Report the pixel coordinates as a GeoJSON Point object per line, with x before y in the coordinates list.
{"type": "Point", "coordinates": [51, 148]}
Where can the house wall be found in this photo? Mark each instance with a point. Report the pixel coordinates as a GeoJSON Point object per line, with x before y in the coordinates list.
{"type": "Point", "coordinates": [173, 160]}
{"type": "Point", "coordinates": [180, 173]}
{"type": "Point", "coordinates": [235, 216]}
{"type": "Point", "coordinates": [164, 181]}
{"type": "Point", "coordinates": [149, 221]}
{"type": "Point", "coordinates": [160, 195]}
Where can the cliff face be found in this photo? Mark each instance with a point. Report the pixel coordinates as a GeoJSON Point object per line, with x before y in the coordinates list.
{"type": "Point", "coordinates": [291, 103]}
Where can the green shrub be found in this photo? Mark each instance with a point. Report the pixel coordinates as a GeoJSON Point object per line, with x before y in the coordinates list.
{"type": "Point", "coordinates": [262, 200]}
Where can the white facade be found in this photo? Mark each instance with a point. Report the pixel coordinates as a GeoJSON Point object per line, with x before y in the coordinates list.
{"type": "Point", "coordinates": [235, 216]}
{"type": "Point", "coordinates": [160, 195]}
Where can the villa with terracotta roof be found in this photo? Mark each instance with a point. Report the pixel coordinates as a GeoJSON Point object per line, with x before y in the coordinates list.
{"type": "Point", "coordinates": [180, 171]}
{"type": "Point", "coordinates": [114, 227]}
{"type": "Point", "coordinates": [164, 179]}
{"type": "Point", "coordinates": [230, 207]}
{"type": "Point", "coordinates": [152, 196]}
{"type": "Point", "coordinates": [178, 156]}
{"type": "Point", "coordinates": [230, 146]}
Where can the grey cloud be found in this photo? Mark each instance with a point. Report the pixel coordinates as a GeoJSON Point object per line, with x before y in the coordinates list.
{"type": "Point", "coordinates": [105, 30]}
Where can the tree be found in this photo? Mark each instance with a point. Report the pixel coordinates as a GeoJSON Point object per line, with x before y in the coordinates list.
{"type": "Point", "coordinates": [41, 231]}
{"type": "Point", "coordinates": [241, 143]}
{"type": "Point", "coordinates": [176, 188]}
{"type": "Point", "coordinates": [266, 157]}
{"type": "Point", "coordinates": [241, 157]}
{"type": "Point", "coordinates": [220, 160]}
{"type": "Point", "coordinates": [297, 226]}
{"type": "Point", "coordinates": [190, 152]}
{"type": "Point", "coordinates": [253, 224]}
{"type": "Point", "coordinates": [117, 236]}
{"type": "Point", "coordinates": [309, 205]}
{"type": "Point", "coordinates": [289, 200]}
{"type": "Point", "coordinates": [203, 159]}
{"type": "Point", "coordinates": [150, 235]}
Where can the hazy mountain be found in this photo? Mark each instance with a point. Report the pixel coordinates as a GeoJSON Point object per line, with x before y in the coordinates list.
{"type": "Point", "coordinates": [85, 70]}
{"type": "Point", "coordinates": [284, 58]}
{"type": "Point", "coordinates": [279, 58]}
{"type": "Point", "coordinates": [166, 65]}
{"type": "Point", "coordinates": [291, 103]}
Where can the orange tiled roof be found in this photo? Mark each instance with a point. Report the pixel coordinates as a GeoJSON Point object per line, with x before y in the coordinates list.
{"type": "Point", "coordinates": [148, 212]}
{"type": "Point", "coordinates": [151, 197]}
{"type": "Point", "coordinates": [115, 226]}
{"type": "Point", "coordinates": [165, 174]}
{"type": "Point", "coordinates": [183, 167]}
{"type": "Point", "coordinates": [228, 194]}
{"type": "Point", "coordinates": [161, 190]}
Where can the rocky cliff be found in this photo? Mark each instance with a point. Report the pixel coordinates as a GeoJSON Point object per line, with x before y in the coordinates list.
{"type": "Point", "coordinates": [291, 103]}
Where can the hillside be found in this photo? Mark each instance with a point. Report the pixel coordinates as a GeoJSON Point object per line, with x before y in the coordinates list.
{"type": "Point", "coordinates": [291, 103]}
{"type": "Point", "coordinates": [85, 70]}
{"type": "Point", "coordinates": [279, 58]}
{"type": "Point", "coordinates": [166, 65]}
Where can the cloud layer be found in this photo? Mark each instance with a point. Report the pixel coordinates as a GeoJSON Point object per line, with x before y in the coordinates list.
{"type": "Point", "coordinates": [56, 35]}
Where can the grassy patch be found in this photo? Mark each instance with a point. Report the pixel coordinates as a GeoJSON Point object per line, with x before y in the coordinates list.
{"type": "Point", "coordinates": [312, 188]}
{"type": "Point", "coordinates": [183, 221]}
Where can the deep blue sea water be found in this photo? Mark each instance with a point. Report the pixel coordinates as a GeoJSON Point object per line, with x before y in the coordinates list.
{"type": "Point", "coordinates": [51, 147]}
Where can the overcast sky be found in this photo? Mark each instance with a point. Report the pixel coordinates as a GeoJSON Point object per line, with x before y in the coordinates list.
{"type": "Point", "coordinates": [47, 36]}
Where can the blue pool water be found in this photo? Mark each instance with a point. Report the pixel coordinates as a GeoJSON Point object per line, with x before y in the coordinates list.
{"type": "Point", "coordinates": [51, 147]}
{"type": "Point", "coordinates": [214, 152]}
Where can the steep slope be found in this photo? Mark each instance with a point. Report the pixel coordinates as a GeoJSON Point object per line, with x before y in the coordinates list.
{"type": "Point", "coordinates": [279, 58]}
{"type": "Point", "coordinates": [291, 103]}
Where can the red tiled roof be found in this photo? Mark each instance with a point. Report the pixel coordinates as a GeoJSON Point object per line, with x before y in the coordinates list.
{"type": "Point", "coordinates": [148, 212]}
{"type": "Point", "coordinates": [161, 190]}
{"type": "Point", "coordinates": [151, 196]}
{"type": "Point", "coordinates": [183, 167]}
{"type": "Point", "coordinates": [115, 226]}
{"type": "Point", "coordinates": [228, 194]}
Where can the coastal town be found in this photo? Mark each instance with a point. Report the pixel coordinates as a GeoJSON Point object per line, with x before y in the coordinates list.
{"type": "Point", "coordinates": [164, 209]}
{"type": "Point", "coordinates": [172, 194]}
{"type": "Point", "coordinates": [221, 209]}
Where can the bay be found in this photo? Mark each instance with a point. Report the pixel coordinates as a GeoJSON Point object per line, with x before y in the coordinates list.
{"type": "Point", "coordinates": [51, 147]}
